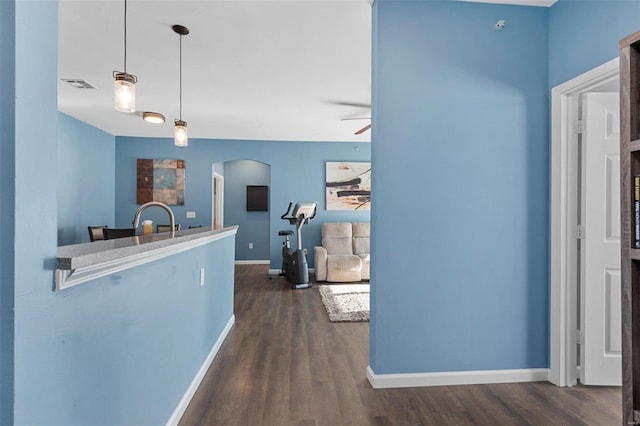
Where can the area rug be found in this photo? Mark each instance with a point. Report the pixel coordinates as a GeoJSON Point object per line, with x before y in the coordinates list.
{"type": "Point", "coordinates": [346, 302]}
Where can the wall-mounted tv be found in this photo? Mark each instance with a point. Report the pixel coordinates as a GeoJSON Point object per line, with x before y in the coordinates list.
{"type": "Point", "coordinates": [257, 198]}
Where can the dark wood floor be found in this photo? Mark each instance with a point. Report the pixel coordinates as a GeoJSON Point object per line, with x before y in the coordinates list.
{"type": "Point", "coordinates": [284, 363]}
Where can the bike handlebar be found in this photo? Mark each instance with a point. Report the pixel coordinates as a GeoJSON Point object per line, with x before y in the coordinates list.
{"type": "Point", "coordinates": [284, 216]}
{"type": "Point", "coordinates": [292, 218]}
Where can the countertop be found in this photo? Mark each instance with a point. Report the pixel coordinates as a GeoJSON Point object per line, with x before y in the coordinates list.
{"type": "Point", "coordinates": [79, 263]}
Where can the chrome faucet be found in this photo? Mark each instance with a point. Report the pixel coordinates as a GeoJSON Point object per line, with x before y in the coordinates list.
{"type": "Point", "coordinates": [172, 220]}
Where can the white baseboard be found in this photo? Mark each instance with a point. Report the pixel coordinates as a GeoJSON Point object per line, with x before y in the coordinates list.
{"type": "Point", "coordinates": [382, 381]}
{"type": "Point", "coordinates": [253, 262]}
{"type": "Point", "coordinates": [193, 387]}
{"type": "Point", "coordinates": [277, 271]}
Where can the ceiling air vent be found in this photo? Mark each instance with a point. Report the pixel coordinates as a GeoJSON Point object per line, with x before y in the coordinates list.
{"type": "Point", "coordinates": [79, 83]}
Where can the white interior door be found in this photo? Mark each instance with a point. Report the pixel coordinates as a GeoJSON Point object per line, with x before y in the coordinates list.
{"type": "Point", "coordinates": [601, 306]}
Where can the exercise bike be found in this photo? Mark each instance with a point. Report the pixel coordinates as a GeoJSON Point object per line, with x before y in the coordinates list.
{"type": "Point", "coordinates": [294, 262]}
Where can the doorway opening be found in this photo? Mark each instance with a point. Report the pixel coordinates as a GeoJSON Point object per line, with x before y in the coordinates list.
{"type": "Point", "coordinates": [217, 209]}
{"type": "Point", "coordinates": [568, 212]}
{"type": "Point", "coordinates": [235, 183]}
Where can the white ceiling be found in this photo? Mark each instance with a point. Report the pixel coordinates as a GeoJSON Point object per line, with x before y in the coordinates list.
{"type": "Point", "coordinates": [265, 70]}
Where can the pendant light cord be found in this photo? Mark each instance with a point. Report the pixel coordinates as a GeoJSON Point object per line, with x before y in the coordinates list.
{"type": "Point", "coordinates": [180, 77]}
{"type": "Point", "coordinates": [125, 38]}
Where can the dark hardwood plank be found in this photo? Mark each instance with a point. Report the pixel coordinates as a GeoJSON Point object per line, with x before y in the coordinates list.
{"type": "Point", "coordinates": [285, 363]}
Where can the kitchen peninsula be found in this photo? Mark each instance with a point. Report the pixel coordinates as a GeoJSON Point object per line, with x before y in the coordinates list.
{"type": "Point", "coordinates": [80, 263]}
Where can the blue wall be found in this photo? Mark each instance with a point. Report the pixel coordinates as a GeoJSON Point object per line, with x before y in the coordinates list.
{"type": "Point", "coordinates": [585, 34]}
{"type": "Point", "coordinates": [460, 113]}
{"type": "Point", "coordinates": [120, 350]}
{"type": "Point", "coordinates": [7, 206]}
{"type": "Point", "coordinates": [123, 349]}
{"type": "Point", "coordinates": [35, 171]}
{"type": "Point", "coordinates": [297, 173]}
{"type": "Point", "coordinates": [86, 179]}
{"type": "Point", "coordinates": [460, 189]}
{"type": "Point", "coordinates": [253, 226]}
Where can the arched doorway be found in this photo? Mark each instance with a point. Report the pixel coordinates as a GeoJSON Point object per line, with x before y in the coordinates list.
{"type": "Point", "coordinates": [237, 182]}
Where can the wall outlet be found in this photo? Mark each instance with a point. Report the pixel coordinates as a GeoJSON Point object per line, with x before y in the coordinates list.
{"type": "Point", "coordinates": [201, 277]}
{"type": "Point", "coordinates": [250, 245]}
{"type": "Point", "coordinates": [191, 215]}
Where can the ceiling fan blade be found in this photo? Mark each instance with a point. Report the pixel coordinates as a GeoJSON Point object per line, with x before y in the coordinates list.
{"type": "Point", "coordinates": [351, 104]}
{"type": "Point", "coordinates": [364, 129]}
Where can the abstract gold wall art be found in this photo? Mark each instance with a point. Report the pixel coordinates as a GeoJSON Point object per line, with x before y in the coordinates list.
{"type": "Point", "coordinates": [348, 185]}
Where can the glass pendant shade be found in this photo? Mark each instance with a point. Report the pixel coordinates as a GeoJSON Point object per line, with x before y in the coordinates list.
{"type": "Point", "coordinates": [180, 134]}
{"type": "Point", "coordinates": [125, 92]}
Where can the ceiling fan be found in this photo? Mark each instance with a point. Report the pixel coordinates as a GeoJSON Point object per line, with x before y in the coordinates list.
{"type": "Point", "coordinates": [364, 129]}
{"type": "Point", "coordinates": [356, 105]}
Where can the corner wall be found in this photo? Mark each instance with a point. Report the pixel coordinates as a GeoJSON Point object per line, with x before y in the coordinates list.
{"type": "Point", "coordinates": [123, 349]}
{"type": "Point", "coordinates": [461, 159]}
{"type": "Point", "coordinates": [35, 172]}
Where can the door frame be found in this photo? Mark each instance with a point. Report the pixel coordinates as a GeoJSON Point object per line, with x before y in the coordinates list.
{"type": "Point", "coordinates": [217, 199]}
{"type": "Point", "coordinates": [563, 251]}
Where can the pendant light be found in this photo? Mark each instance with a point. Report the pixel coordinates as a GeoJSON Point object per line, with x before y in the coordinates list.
{"type": "Point", "coordinates": [153, 117]}
{"type": "Point", "coordinates": [180, 133]}
{"type": "Point", "coordinates": [125, 84]}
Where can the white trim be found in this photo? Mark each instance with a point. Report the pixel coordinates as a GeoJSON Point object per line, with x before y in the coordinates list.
{"type": "Point", "coordinates": [538, 3]}
{"type": "Point", "coordinates": [563, 251]}
{"type": "Point", "coordinates": [217, 179]}
{"type": "Point", "coordinates": [448, 378]}
{"type": "Point", "coordinates": [65, 278]}
{"type": "Point", "coordinates": [253, 262]}
{"type": "Point", "coordinates": [193, 387]}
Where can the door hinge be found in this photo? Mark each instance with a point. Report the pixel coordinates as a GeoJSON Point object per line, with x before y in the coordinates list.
{"type": "Point", "coordinates": [579, 126]}
{"type": "Point", "coordinates": [579, 337]}
{"type": "Point", "coordinates": [580, 231]}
